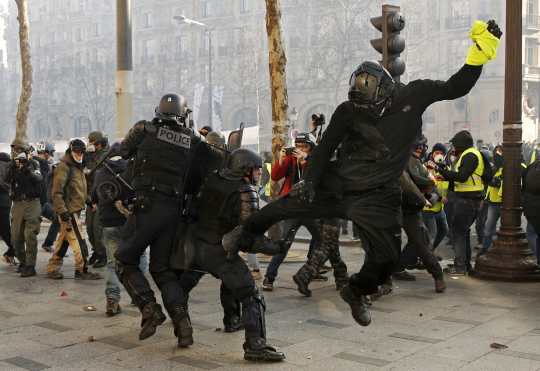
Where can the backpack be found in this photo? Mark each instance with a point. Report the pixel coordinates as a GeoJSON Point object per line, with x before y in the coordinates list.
{"type": "Point", "coordinates": [532, 179]}
{"type": "Point", "coordinates": [50, 179]}
{"type": "Point", "coordinates": [488, 174]}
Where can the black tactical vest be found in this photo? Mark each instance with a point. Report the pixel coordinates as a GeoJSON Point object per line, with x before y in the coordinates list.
{"type": "Point", "coordinates": [216, 214]}
{"type": "Point", "coordinates": [163, 157]}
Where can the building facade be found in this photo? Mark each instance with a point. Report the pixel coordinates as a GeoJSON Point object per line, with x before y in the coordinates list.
{"type": "Point", "coordinates": [73, 54]}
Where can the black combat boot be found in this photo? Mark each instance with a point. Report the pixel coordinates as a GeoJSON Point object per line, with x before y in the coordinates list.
{"type": "Point", "coordinates": [302, 278]}
{"type": "Point", "coordinates": [152, 317]}
{"type": "Point", "coordinates": [112, 308]}
{"type": "Point", "coordinates": [182, 326]}
{"type": "Point", "coordinates": [358, 304]}
{"type": "Point", "coordinates": [28, 271]}
{"type": "Point", "coordinates": [256, 350]}
{"type": "Point", "coordinates": [232, 323]}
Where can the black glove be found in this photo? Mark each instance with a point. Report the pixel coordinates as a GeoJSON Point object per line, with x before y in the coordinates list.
{"type": "Point", "coordinates": [236, 240]}
{"type": "Point", "coordinates": [304, 190]}
{"type": "Point", "coordinates": [65, 217]}
{"type": "Point", "coordinates": [494, 29]}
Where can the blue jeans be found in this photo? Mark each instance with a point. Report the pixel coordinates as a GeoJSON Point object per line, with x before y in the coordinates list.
{"type": "Point", "coordinates": [437, 226]}
{"type": "Point", "coordinates": [493, 216]}
{"type": "Point", "coordinates": [112, 237]}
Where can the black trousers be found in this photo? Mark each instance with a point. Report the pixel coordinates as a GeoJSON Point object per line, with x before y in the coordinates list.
{"type": "Point", "coordinates": [5, 229]}
{"type": "Point", "coordinates": [419, 245]}
{"type": "Point", "coordinates": [153, 226]}
{"type": "Point", "coordinates": [231, 305]}
{"type": "Point", "coordinates": [377, 214]}
{"type": "Point", "coordinates": [238, 284]}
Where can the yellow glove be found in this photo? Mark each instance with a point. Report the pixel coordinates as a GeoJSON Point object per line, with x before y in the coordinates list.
{"type": "Point", "coordinates": [485, 45]}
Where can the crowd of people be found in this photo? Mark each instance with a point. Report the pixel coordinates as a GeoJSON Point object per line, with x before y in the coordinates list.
{"type": "Point", "coordinates": [192, 200]}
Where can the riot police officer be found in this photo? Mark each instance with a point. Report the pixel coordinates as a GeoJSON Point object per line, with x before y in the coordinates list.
{"type": "Point", "coordinates": [163, 151]}
{"type": "Point", "coordinates": [226, 199]}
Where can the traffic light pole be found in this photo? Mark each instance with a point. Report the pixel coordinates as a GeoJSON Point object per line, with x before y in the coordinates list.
{"type": "Point", "coordinates": [391, 44]}
{"type": "Point", "coordinates": [124, 67]}
{"type": "Point", "coordinates": [510, 257]}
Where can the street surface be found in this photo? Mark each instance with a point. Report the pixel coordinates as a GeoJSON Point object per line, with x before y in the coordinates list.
{"type": "Point", "coordinates": [46, 325]}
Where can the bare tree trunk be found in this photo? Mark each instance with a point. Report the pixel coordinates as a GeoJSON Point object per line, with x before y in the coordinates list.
{"type": "Point", "coordinates": [26, 88]}
{"type": "Point", "coordinates": [278, 80]}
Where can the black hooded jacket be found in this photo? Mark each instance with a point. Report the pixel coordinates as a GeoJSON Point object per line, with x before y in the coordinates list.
{"type": "Point", "coordinates": [376, 151]}
{"type": "Point", "coordinates": [108, 213]}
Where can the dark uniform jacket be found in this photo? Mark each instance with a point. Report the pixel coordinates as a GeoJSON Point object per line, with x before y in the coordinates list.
{"type": "Point", "coordinates": [26, 182]}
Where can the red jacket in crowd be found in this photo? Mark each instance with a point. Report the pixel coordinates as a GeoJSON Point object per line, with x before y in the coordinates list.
{"type": "Point", "coordinates": [288, 170]}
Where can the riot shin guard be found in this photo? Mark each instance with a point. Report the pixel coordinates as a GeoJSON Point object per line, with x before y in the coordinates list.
{"type": "Point", "coordinates": [255, 347]}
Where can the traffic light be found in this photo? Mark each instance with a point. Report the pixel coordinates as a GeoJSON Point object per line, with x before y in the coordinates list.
{"type": "Point", "coordinates": [391, 45]}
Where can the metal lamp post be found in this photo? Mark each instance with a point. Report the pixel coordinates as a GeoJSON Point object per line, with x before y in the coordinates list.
{"type": "Point", "coordinates": [184, 20]}
{"type": "Point", "coordinates": [124, 67]}
{"type": "Point", "coordinates": [510, 257]}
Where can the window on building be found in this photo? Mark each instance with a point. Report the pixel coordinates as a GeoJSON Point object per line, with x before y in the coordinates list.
{"type": "Point", "coordinates": [206, 8]}
{"type": "Point", "coordinates": [460, 8]}
{"type": "Point", "coordinates": [531, 52]}
{"type": "Point", "coordinates": [78, 34]}
{"type": "Point", "coordinates": [147, 20]}
{"type": "Point", "coordinates": [532, 7]}
{"type": "Point", "coordinates": [244, 6]}
{"type": "Point", "coordinates": [97, 29]}
{"type": "Point", "coordinates": [148, 50]}
{"type": "Point", "coordinates": [181, 45]}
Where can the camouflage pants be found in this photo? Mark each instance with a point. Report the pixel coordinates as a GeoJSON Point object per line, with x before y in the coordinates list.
{"type": "Point", "coordinates": [327, 250]}
{"type": "Point", "coordinates": [25, 223]}
{"type": "Point", "coordinates": [68, 234]}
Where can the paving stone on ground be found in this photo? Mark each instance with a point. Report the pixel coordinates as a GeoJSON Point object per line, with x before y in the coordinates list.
{"type": "Point", "coordinates": [412, 329]}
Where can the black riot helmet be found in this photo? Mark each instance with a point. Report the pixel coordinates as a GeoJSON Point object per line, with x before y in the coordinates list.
{"type": "Point", "coordinates": [242, 161]}
{"type": "Point", "coordinates": [173, 106]}
{"type": "Point", "coordinates": [371, 86]}
{"type": "Point", "coordinates": [421, 144]}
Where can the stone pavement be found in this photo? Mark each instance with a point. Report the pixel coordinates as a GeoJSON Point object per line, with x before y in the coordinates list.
{"type": "Point", "coordinates": [44, 326]}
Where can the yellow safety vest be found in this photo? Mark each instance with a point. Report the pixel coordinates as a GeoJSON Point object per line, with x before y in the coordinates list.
{"type": "Point", "coordinates": [268, 186]}
{"type": "Point", "coordinates": [499, 192]}
{"type": "Point", "coordinates": [533, 157]}
{"type": "Point", "coordinates": [494, 194]}
{"type": "Point", "coordinates": [474, 183]}
{"type": "Point", "coordinates": [442, 188]}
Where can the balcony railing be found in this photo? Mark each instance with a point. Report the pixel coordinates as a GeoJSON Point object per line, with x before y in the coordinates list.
{"type": "Point", "coordinates": [454, 23]}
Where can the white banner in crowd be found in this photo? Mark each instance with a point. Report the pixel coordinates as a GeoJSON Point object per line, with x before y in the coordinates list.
{"type": "Point", "coordinates": [217, 112]}
{"type": "Point", "coordinates": [197, 99]}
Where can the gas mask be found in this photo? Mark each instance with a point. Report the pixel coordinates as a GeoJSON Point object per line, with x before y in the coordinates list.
{"type": "Point", "coordinates": [438, 158]}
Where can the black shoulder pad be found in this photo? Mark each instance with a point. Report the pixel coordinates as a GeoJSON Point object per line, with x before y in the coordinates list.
{"type": "Point", "coordinates": [149, 127]}
{"type": "Point", "coordinates": [247, 188]}
{"type": "Point", "coordinates": [139, 126]}
{"type": "Point", "coordinates": [249, 201]}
